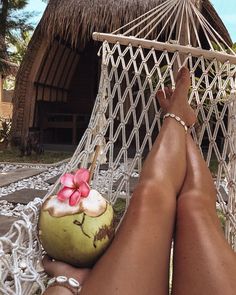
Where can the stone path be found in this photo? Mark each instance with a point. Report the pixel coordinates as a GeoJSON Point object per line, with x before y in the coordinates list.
{"type": "Point", "coordinates": [132, 183]}
{"type": "Point", "coordinates": [53, 179]}
{"type": "Point", "coordinates": [7, 178]}
{"type": "Point", "coordinates": [24, 196]}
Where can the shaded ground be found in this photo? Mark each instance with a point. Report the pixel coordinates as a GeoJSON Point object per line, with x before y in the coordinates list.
{"type": "Point", "coordinates": [23, 196]}
{"type": "Point", "coordinates": [7, 178]}
{"type": "Point", "coordinates": [47, 157]}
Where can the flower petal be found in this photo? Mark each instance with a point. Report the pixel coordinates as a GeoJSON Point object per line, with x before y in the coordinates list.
{"type": "Point", "coordinates": [65, 193]}
{"type": "Point", "coordinates": [84, 189]}
{"type": "Point", "coordinates": [81, 175]}
{"type": "Point", "coordinates": [68, 180]}
{"type": "Point", "coordinates": [74, 198]}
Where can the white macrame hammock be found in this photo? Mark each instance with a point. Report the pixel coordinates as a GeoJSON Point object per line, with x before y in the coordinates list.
{"type": "Point", "coordinates": [126, 119]}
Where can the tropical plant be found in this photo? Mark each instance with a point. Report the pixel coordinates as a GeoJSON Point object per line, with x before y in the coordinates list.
{"type": "Point", "coordinates": [5, 127]}
{"type": "Point", "coordinates": [19, 44]}
{"type": "Point", "coordinates": [15, 26]}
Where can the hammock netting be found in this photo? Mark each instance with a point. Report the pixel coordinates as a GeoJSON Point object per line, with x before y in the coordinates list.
{"type": "Point", "coordinates": [126, 119]}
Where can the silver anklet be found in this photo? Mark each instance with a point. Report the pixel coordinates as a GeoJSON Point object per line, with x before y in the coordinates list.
{"type": "Point", "coordinates": [178, 119]}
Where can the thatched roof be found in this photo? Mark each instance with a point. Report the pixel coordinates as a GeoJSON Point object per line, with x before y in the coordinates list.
{"type": "Point", "coordinates": [76, 20]}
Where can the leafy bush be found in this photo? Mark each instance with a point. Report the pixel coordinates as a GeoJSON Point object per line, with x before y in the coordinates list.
{"type": "Point", "coordinates": [5, 128]}
{"type": "Point", "coordinates": [222, 218]}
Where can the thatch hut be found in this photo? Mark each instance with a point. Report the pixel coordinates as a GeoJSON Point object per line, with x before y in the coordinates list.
{"type": "Point", "coordinates": [58, 78]}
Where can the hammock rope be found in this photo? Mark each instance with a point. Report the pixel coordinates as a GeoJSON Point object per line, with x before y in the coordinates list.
{"type": "Point", "coordinates": [137, 60]}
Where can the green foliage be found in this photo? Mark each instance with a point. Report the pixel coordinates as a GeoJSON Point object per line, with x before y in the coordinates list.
{"type": "Point", "coordinates": [20, 44]}
{"type": "Point", "coordinates": [164, 73]}
{"type": "Point", "coordinates": [5, 127]}
{"type": "Point", "coordinates": [119, 210]}
{"type": "Point", "coordinates": [15, 28]}
{"type": "Point", "coordinates": [9, 82]}
{"type": "Point", "coordinates": [2, 56]}
{"type": "Point", "coordinates": [119, 206]}
{"type": "Point", "coordinates": [222, 218]}
{"type": "Point", "coordinates": [234, 47]}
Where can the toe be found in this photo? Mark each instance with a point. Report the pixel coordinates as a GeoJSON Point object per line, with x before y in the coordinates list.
{"type": "Point", "coordinates": [182, 82]}
{"type": "Point", "coordinates": [169, 92]}
{"type": "Point", "coordinates": [161, 97]}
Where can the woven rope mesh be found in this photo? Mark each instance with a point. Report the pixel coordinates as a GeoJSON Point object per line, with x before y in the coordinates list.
{"type": "Point", "coordinates": [125, 122]}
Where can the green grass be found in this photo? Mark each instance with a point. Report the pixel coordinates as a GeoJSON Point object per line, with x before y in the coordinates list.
{"type": "Point", "coordinates": [222, 218]}
{"type": "Point", "coordinates": [48, 157]}
{"type": "Point", "coordinates": [213, 166]}
{"type": "Point", "coordinates": [119, 209]}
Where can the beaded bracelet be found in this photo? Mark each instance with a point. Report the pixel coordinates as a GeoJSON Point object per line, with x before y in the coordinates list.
{"type": "Point", "coordinates": [178, 119]}
{"type": "Point", "coordinates": [69, 283]}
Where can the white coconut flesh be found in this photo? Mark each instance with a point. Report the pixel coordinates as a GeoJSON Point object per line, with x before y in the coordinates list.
{"type": "Point", "coordinates": [93, 205]}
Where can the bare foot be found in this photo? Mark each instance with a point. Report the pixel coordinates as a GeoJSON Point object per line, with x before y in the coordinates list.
{"type": "Point", "coordinates": [58, 268]}
{"type": "Point", "coordinates": [177, 102]}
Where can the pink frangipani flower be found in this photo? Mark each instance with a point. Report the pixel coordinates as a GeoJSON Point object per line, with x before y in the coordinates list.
{"type": "Point", "coordinates": [75, 186]}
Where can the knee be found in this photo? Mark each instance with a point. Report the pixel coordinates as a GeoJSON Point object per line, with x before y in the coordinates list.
{"type": "Point", "coordinates": [194, 205]}
{"type": "Point", "coordinates": [189, 202]}
{"type": "Point", "coordinates": [195, 196]}
{"type": "Point", "coordinates": [149, 194]}
{"type": "Point", "coordinates": [152, 187]}
{"type": "Point", "coordinates": [202, 191]}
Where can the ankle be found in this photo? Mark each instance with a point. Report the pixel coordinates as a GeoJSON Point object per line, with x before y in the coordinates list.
{"type": "Point", "coordinates": [178, 111]}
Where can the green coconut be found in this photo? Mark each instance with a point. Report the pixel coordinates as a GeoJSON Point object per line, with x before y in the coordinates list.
{"type": "Point", "coordinates": [79, 234]}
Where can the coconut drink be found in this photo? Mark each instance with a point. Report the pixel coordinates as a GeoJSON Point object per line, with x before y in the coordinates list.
{"type": "Point", "coordinates": [76, 225]}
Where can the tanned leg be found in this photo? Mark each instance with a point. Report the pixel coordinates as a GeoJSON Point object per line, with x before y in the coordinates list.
{"type": "Point", "coordinates": [137, 262]}
{"type": "Point", "coordinates": [204, 263]}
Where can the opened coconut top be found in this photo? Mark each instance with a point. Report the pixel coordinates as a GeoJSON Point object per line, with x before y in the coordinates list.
{"type": "Point", "coordinates": [93, 205]}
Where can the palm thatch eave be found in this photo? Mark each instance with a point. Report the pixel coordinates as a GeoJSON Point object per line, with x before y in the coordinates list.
{"type": "Point", "coordinates": [75, 20]}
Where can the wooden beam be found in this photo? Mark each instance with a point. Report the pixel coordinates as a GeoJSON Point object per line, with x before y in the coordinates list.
{"type": "Point", "coordinates": [161, 46]}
